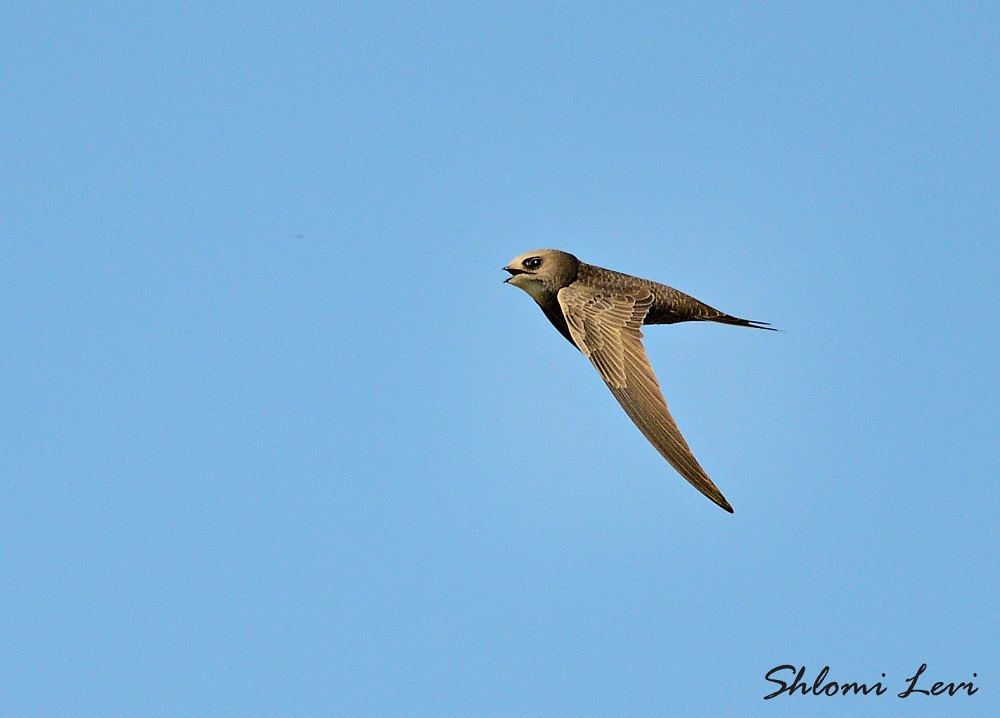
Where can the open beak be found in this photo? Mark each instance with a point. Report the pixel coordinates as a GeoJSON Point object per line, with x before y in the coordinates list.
{"type": "Point", "coordinates": [514, 271]}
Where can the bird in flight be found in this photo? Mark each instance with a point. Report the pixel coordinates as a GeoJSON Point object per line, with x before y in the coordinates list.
{"type": "Point", "coordinates": [600, 312]}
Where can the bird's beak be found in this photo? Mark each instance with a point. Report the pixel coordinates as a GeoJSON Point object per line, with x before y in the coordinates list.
{"type": "Point", "coordinates": [514, 271]}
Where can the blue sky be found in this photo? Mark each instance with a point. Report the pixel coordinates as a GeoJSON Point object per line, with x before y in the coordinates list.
{"type": "Point", "coordinates": [277, 440]}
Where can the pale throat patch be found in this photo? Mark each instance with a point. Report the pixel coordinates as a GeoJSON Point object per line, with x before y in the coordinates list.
{"type": "Point", "coordinates": [536, 290]}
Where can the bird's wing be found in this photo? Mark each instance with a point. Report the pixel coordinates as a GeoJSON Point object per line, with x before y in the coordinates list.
{"type": "Point", "coordinates": [605, 326]}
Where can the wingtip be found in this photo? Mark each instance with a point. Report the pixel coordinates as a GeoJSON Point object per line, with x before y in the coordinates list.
{"type": "Point", "coordinates": [721, 502]}
{"type": "Point", "coordinates": [717, 498]}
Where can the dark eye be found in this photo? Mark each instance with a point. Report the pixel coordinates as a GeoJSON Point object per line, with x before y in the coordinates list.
{"type": "Point", "coordinates": [532, 262]}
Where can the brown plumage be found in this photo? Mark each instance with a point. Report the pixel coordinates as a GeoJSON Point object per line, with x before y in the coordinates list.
{"type": "Point", "coordinates": [600, 312]}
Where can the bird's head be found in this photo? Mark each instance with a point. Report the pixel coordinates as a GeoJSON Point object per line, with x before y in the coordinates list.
{"type": "Point", "coordinates": [542, 273]}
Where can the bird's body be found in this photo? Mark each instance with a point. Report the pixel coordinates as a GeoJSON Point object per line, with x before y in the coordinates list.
{"type": "Point", "coordinates": [600, 312]}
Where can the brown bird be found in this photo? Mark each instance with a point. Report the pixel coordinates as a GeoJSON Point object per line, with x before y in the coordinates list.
{"type": "Point", "coordinates": [600, 312]}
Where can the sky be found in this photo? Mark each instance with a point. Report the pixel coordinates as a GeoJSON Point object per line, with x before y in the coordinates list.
{"type": "Point", "coordinates": [277, 440]}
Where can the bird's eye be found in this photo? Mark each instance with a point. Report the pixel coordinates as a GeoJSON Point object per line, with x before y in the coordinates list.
{"type": "Point", "coordinates": [532, 262]}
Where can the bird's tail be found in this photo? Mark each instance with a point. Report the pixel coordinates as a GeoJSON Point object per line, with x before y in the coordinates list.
{"type": "Point", "coordinates": [737, 322]}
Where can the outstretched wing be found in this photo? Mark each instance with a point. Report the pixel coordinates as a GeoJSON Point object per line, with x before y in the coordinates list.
{"type": "Point", "coordinates": [605, 327]}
